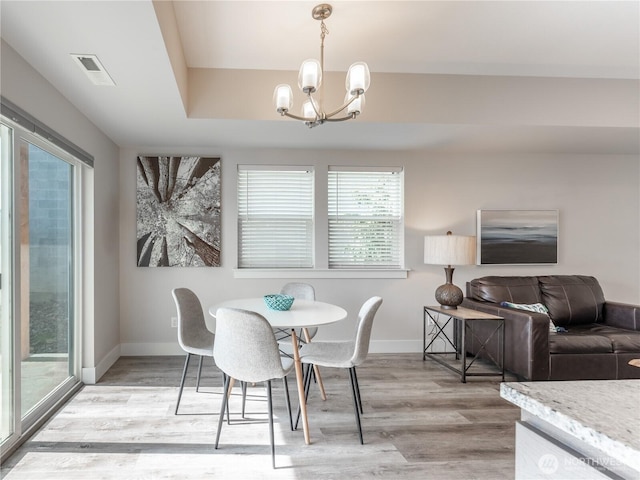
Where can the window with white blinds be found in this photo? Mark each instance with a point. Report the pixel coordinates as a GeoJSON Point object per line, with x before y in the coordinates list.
{"type": "Point", "coordinates": [275, 217]}
{"type": "Point", "coordinates": [365, 210]}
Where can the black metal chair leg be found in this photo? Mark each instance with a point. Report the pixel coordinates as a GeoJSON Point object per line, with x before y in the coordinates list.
{"type": "Point", "coordinates": [355, 377]}
{"type": "Point", "coordinates": [243, 386]}
{"type": "Point", "coordinates": [184, 375]}
{"type": "Point", "coordinates": [355, 403]}
{"type": "Point", "coordinates": [223, 407]}
{"type": "Point", "coordinates": [288, 399]}
{"type": "Point", "coordinates": [224, 388]}
{"type": "Point", "coordinates": [271, 436]}
{"type": "Point", "coordinates": [307, 385]}
{"type": "Point", "coordinates": [306, 382]}
{"type": "Point", "coordinates": [199, 373]}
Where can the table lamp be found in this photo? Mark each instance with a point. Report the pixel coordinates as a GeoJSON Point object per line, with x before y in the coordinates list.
{"type": "Point", "coordinates": [449, 250]}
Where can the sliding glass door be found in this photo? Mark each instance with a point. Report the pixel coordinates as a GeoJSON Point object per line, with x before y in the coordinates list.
{"type": "Point", "coordinates": [7, 418]}
{"type": "Point", "coordinates": [39, 269]}
{"type": "Point", "coordinates": [46, 269]}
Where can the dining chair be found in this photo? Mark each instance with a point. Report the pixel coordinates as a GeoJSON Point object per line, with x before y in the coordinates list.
{"type": "Point", "coordinates": [246, 350]}
{"type": "Point", "coordinates": [303, 291]}
{"type": "Point", "coordinates": [193, 335]}
{"type": "Point", "coordinates": [344, 354]}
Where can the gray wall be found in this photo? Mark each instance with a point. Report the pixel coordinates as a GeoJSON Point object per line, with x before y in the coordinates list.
{"type": "Point", "coordinates": [128, 309]}
{"type": "Point", "coordinates": [26, 88]}
{"type": "Point", "coordinates": [598, 198]}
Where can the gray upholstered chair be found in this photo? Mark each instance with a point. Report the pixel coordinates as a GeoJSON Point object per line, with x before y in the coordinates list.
{"type": "Point", "coordinates": [193, 335]}
{"type": "Point", "coordinates": [303, 291]}
{"type": "Point", "coordinates": [246, 349]}
{"type": "Point", "coordinates": [345, 354]}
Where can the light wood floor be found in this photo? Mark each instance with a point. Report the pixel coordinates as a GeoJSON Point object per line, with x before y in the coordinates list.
{"type": "Point", "coordinates": [420, 422]}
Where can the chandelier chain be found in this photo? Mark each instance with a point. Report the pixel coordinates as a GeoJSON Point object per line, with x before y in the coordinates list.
{"type": "Point", "coordinates": [324, 31]}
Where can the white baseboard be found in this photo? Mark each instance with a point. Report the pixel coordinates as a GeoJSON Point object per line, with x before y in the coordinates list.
{"type": "Point", "coordinates": [150, 349]}
{"type": "Point", "coordinates": [153, 349]}
{"type": "Point", "coordinates": [91, 375]}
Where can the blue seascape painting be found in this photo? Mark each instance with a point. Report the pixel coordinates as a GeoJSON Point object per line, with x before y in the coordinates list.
{"type": "Point", "coordinates": [517, 237]}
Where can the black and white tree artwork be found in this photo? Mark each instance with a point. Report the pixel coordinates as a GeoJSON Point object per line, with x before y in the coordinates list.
{"type": "Point", "coordinates": [178, 214]}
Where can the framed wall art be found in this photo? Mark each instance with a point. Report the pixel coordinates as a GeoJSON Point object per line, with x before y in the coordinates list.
{"type": "Point", "coordinates": [178, 211]}
{"type": "Point", "coordinates": [515, 237]}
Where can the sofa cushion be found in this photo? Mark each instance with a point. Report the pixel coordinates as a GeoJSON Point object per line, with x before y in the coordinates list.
{"type": "Point", "coordinates": [595, 338]}
{"type": "Point", "coordinates": [497, 289]}
{"type": "Point", "coordinates": [568, 343]}
{"type": "Point", "coordinates": [572, 299]}
{"type": "Point", "coordinates": [626, 342]}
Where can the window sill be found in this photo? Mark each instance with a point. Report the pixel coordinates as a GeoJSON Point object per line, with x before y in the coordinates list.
{"type": "Point", "coordinates": [317, 273]}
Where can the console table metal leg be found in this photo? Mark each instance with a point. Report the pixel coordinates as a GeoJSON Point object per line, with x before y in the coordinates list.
{"type": "Point", "coordinates": [502, 348]}
{"type": "Point", "coordinates": [462, 351]}
{"type": "Point", "coordinates": [424, 335]}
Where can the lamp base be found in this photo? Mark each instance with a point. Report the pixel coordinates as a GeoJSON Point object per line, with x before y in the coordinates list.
{"type": "Point", "coordinates": [449, 296]}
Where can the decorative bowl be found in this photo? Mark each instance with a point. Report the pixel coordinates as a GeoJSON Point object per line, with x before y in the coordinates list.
{"type": "Point", "coordinates": [278, 301]}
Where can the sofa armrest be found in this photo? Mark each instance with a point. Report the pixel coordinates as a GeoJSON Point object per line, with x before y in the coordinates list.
{"type": "Point", "coordinates": [621, 315]}
{"type": "Point", "coordinates": [526, 339]}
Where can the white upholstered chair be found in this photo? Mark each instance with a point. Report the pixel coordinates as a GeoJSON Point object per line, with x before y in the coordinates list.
{"type": "Point", "coordinates": [345, 354]}
{"type": "Point", "coordinates": [302, 291]}
{"type": "Point", "coordinates": [193, 335]}
{"type": "Point", "coordinates": [246, 350]}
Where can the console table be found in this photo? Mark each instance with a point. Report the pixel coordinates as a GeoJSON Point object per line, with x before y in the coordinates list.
{"type": "Point", "coordinates": [461, 318]}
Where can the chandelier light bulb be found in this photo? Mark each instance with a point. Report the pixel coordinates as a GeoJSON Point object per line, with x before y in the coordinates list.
{"type": "Point", "coordinates": [283, 98]}
{"type": "Point", "coordinates": [310, 76]}
{"type": "Point", "coordinates": [307, 110]}
{"type": "Point", "coordinates": [355, 104]}
{"type": "Point", "coordinates": [358, 78]}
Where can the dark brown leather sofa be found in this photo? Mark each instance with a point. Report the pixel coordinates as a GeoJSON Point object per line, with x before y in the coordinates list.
{"type": "Point", "coordinates": [600, 339]}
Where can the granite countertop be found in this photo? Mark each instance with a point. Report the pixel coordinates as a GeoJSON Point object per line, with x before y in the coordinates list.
{"type": "Point", "coordinates": [604, 414]}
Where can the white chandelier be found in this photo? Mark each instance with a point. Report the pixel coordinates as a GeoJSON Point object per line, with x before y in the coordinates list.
{"type": "Point", "coordinates": [310, 80]}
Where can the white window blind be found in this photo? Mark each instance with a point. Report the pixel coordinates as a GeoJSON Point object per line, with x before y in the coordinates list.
{"type": "Point", "coordinates": [366, 226]}
{"type": "Point", "coordinates": [275, 217]}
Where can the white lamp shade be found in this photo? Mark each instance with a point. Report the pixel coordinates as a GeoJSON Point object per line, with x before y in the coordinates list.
{"type": "Point", "coordinates": [358, 78]}
{"type": "Point", "coordinates": [449, 250]}
{"type": "Point", "coordinates": [283, 98]}
{"type": "Point", "coordinates": [310, 75]}
{"type": "Point", "coordinates": [356, 106]}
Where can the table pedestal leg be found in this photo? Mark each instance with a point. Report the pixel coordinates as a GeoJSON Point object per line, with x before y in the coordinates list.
{"type": "Point", "coordinates": [299, 381]}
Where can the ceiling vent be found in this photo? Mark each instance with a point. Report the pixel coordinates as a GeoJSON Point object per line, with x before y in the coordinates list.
{"type": "Point", "coordinates": [92, 67]}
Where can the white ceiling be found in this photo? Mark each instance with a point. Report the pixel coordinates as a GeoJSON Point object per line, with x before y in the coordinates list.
{"type": "Point", "coordinates": [579, 39]}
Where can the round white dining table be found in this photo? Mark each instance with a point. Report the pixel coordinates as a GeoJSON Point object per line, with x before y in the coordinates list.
{"type": "Point", "coordinates": [302, 314]}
